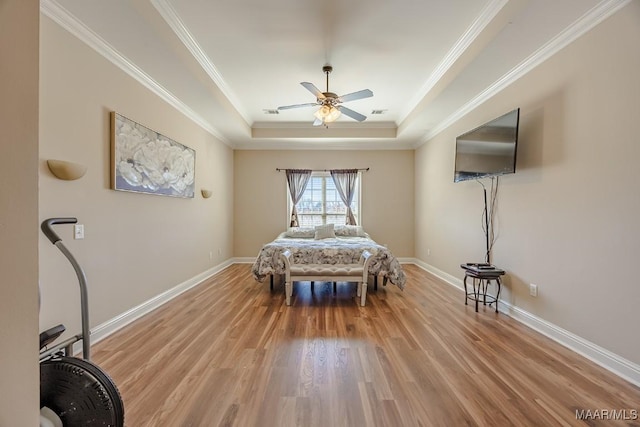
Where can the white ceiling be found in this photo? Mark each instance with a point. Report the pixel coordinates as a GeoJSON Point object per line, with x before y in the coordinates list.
{"type": "Point", "coordinates": [428, 62]}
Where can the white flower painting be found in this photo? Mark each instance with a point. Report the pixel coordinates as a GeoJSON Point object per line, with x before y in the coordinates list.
{"type": "Point", "coordinates": [145, 161]}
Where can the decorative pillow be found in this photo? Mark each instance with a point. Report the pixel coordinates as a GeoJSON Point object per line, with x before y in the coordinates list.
{"type": "Point", "coordinates": [324, 232]}
{"type": "Point", "coordinates": [350, 231]}
{"type": "Point", "coordinates": [300, 232]}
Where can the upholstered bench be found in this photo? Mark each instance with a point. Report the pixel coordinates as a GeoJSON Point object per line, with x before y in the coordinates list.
{"type": "Point", "coordinates": [358, 273]}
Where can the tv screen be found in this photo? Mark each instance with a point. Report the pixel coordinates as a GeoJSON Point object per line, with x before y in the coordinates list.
{"type": "Point", "coordinates": [488, 150]}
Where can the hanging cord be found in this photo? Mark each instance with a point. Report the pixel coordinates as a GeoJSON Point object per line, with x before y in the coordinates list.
{"type": "Point", "coordinates": [488, 218]}
{"type": "Point", "coordinates": [485, 223]}
{"type": "Point", "coordinates": [493, 206]}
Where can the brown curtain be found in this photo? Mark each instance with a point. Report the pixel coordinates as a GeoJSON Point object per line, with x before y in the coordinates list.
{"type": "Point", "coordinates": [345, 180]}
{"type": "Point", "coordinates": [297, 180]}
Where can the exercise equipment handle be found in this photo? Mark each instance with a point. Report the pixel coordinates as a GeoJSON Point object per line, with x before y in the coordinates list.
{"type": "Point", "coordinates": [82, 280]}
{"type": "Point", "coordinates": [48, 231]}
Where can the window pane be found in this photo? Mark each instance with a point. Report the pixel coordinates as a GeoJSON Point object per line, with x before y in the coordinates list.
{"type": "Point", "coordinates": [309, 220]}
{"type": "Point", "coordinates": [334, 203]}
{"type": "Point", "coordinates": [321, 203]}
{"type": "Point", "coordinates": [336, 219]}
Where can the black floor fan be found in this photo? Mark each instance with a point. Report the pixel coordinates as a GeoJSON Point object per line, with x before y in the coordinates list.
{"type": "Point", "coordinates": [76, 390]}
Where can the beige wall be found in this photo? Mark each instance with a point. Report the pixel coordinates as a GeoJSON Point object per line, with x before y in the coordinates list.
{"type": "Point", "coordinates": [261, 194]}
{"type": "Point", "coordinates": [572, 205]}
{"type": "Point", "coordinates": [136, 246]}
{"type": "Point", "coordinates": [19, 377]}
{"type": "Point", "coordinates": [568, 219]}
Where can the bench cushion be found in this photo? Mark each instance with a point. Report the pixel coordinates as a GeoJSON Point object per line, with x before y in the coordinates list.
{"type": "Point", "coordinates": [326, 270]}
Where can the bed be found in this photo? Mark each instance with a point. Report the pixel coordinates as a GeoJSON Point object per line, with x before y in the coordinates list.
{"type": "Point", "coordinates": [344, 246]}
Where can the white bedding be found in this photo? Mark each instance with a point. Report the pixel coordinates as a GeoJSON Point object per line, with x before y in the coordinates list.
{"type": "Point", "coordinates": [337, 250]}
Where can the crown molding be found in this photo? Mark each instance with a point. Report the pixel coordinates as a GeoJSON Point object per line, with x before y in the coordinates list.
{"type": "Point", "coordinates": [587, 22]}
{"type": "Point", "coordinates": [172, 18]}
{"type": "Point", "coordinates": [62, 17]}
{"type": "Point", "coordinates": [463, 43]}
{"type": "Point", "coordinates": [606, 8]}
{"type": "Point", "coordinates": [325, 144]}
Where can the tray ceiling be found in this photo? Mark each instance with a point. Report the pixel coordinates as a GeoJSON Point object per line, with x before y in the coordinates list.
{"type": "Point", "coordinates": [229, 65]}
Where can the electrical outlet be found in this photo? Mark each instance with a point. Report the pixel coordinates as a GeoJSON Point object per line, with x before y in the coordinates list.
{"type": "Point", "coordinates": [533, 290]}
{"type": "Point", "coordinates": [428, 251]}
{"type": "Point", "coordinates": [78, 231]}
{"type": "Point", "coordinates": [210, 255]}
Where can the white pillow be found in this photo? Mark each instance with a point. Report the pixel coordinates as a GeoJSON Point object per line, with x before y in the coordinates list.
{"type": "Point", "coordinates": [350, 231]}
{"type": "Point", "coordinates": [324, 232]}
{"type": "Point", "coordinates": [300, 232]}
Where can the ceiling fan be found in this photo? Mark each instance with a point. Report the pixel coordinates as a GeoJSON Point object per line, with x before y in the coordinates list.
{"type": "Point", "coordinates": [330, 103]}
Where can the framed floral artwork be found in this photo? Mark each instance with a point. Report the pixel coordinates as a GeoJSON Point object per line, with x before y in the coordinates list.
{"type": "Point", "coordinates": [145, 161]}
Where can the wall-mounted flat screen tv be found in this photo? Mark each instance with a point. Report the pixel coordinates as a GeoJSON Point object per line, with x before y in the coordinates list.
{"type": "Point", "coordinates": [488, 150]}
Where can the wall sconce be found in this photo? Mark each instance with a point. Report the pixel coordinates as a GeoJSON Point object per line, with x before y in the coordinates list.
{"type": "Point", "coordinates": [206, 193]}
{"type": "Point", "coordinates": [67, 171]}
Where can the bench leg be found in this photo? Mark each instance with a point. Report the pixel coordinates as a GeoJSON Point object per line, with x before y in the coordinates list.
{"type": "Point", "coordinates": [288, 291]}
{"type": "Point", "coordinates": [362, 287]}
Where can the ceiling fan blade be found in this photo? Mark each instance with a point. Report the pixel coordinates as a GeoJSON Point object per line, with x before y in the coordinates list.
{"type": "Point", "coordinates": [349, 112]}
{"type": "Point", "coordinates": [288, 107]}
{"type": "Point", "coordinates": [317, 122]}
{"type": "Point", "coordinates": [365, 93]}
{"type": "Point", "coordinates": [313, 89]}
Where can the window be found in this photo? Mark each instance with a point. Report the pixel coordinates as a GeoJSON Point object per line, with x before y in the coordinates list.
{"type": "Point", "coordinates": [321, 204]}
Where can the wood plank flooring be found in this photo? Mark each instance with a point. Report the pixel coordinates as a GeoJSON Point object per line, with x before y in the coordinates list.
{"type": "Point", "coordinates": [229, 352]}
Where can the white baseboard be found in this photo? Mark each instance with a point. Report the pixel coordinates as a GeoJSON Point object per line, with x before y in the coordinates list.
{"type": "Point", "coordinates": [601, 356]}
{"type": "Point", "coordinates": [617, 364]}
{"type": "Point", "coordinates": [110, 326]}
{"type": "Point", "coordinates": [244, 260]}
{"type": "Point", "coordinates": [451, 280]}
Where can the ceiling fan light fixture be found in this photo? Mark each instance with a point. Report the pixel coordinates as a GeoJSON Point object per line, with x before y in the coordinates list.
{"type": "Point", "coordinates": [327, 114]}
{"type": "Point", "coordinates": [331, 104]}
{"type": "Point", "coordinates": [322, 112]}
{"type": "Point", "coordinates": [333, 115]}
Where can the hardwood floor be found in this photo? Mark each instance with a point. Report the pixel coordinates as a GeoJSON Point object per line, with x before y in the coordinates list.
{"type": "Point", "coordinates": [230, 352]}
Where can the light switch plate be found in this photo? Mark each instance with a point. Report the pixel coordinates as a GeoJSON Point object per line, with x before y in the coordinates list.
{"type": "Point", "coordinates": [78, 231]}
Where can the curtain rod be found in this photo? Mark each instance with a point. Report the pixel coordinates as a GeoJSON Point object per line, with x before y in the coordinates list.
{"type": "Point", "coordinates": [324, 170]}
